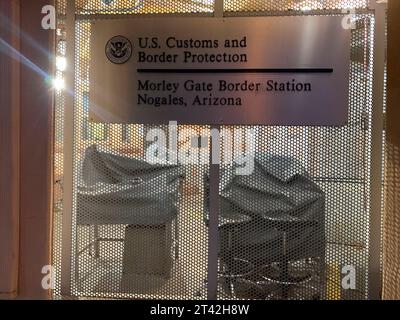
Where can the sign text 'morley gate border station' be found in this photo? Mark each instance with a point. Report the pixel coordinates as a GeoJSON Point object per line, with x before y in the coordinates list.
{"type": "Point", "coordinates": [244, 71]}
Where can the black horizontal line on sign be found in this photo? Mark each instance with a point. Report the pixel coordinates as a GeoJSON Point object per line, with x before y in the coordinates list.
{"type": "Point", "coordinates": [290, 70]}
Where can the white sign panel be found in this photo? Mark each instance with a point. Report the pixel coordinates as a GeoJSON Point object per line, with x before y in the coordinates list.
{"type": "Point", "coordinates": [243, 71]}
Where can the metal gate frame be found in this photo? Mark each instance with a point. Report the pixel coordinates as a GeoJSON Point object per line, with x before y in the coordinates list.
{"type": "Point", "coordinates": [376, 163]}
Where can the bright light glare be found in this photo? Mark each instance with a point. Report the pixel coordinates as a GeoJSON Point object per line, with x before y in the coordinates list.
{"type": "Point", "coordinates": [61, 63]}
{"type": "Point", "coordinates": [59, 83]}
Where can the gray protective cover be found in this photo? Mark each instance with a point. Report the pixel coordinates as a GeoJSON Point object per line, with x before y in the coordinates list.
{"type": "Point", "coordinates": [117, 189]}
{"type": "Point", "coordinates": [278, 197]}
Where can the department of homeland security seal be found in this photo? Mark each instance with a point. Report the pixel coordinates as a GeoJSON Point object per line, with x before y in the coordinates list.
{"type": "Point", "coordinates": [119, 49]}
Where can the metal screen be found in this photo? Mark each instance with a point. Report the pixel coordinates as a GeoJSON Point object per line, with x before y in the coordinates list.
{"type": "Point", "coordinates": [260, 256]}
{"type": "Point", "coordinates": [296, 6]}
{"type": "Point", "coordinates": [337, 161]}
{"type": "Point", "coordinates": [58, 196]}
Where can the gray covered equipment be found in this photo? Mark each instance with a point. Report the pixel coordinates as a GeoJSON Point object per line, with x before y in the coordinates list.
{"type": "Point", "coordinates": [117, 189]}
{"type": "Point", "coordinates": [277, 197]}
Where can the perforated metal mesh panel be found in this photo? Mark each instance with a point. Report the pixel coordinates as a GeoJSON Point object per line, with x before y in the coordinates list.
{"type": "Point", "coordinates": [144, 7]}
{"type": "Point", "coordinates": [261, 256]}
{"type": "Point", "coordinates": [335, 164]}
{"type": "Point", "coordinates": [61, 46]}
{"type": "Point", "coordinates": [114, 255]}
{"type": "Point", "coordinates": [292, 5]}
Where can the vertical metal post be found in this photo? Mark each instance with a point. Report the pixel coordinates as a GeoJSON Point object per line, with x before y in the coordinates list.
{"type": "Point", "coordinates": [66, 284]}
{"type": "Point", "coordinates": [213, 233]}
{"type": "Point", "coordinates": [374, 267]}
